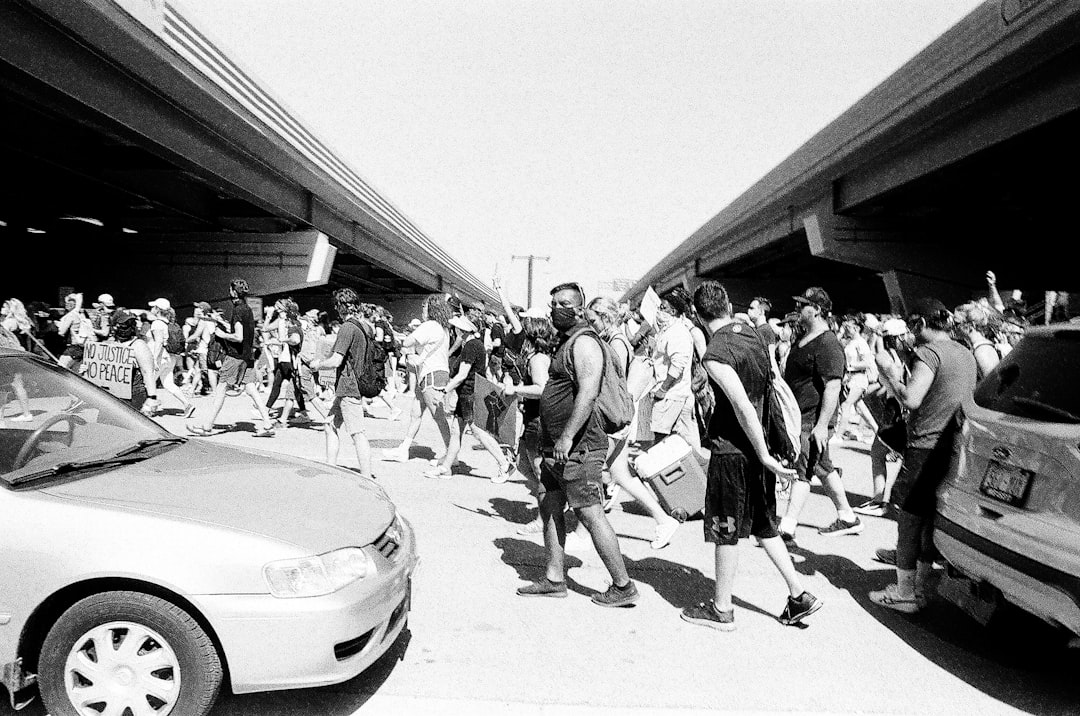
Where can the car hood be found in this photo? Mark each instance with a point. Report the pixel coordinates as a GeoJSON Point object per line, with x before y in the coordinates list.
{"type": "Point", "coordinates": [314, 506]}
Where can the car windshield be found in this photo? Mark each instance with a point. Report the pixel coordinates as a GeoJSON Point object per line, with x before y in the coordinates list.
{"type": "Point", "coordinates": [52, 421]}
{"type": "Point", "coordinates": [1036, 379]}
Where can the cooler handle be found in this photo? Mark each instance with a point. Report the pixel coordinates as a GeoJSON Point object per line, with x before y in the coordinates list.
{"type": "Point", "coordinates": [672, 473]}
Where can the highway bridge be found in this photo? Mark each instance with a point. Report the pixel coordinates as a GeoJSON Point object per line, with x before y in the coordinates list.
{"type": "Point", "coordinates": [142, 161]}
{"type": "Point", "coordinates": [964, 160]}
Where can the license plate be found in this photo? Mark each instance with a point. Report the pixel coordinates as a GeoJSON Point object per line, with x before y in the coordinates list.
{"type": "Point", "coordinates": [1006, 483]}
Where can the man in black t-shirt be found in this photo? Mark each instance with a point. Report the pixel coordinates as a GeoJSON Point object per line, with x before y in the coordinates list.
{"type": "Point", "coordinates": [468, 363]}
{"type": "Point", "coordinates": [740, 496]}
{"type": "Point", "coordinates": [814, 370]}
{"type": "Point", "coordinates": [238, 367]}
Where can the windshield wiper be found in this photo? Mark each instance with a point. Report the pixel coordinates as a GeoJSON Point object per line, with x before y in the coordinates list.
{"type": "Point", "coordinates": [149, 442]}
{"type": "Point", "coordinates": [124, 457]}
{"type": "Point", "coordinates": [1047, 408]}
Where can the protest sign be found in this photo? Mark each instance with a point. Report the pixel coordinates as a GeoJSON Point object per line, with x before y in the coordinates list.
{"type": "Point", "coordinates": [494, 412]}
{"type": "Point", "coordinates": [109, 366]}
{"type": "Point", "coordinates": [323, 350]}
{"type": "Point", "coordinates": [650, 303]}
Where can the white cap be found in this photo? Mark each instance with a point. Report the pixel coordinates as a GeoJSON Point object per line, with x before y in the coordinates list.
{"type": "Point", "coordinates": [105, 299]}
{"type": "Point", "coordinates": [894, 327]}
{"type": "Point", "coordinates": [162, 304]}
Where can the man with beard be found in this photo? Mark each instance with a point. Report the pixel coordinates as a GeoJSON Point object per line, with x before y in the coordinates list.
{"type": "Point", "coordinates": [814, 370]}
{"type": "Point", "coordinates": [573, 447]}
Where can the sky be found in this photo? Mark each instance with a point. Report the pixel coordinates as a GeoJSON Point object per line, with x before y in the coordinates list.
{"type": "Point", "coordinates": [599, 134]}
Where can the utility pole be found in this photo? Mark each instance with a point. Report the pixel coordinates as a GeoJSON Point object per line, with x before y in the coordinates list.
{"type": "Point", "coordinates": [531, 259]}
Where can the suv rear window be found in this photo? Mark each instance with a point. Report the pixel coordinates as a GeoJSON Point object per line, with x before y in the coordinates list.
{"type": "Point", "coordinates": [1037, 379]}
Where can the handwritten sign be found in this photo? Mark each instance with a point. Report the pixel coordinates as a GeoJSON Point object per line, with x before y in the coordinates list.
{"type": "Point", "coordinates": [109, 365]}
{"type": "Point", "coordinates": [650, 304]}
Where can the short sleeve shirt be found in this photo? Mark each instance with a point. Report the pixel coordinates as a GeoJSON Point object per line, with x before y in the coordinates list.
{"type": "Point", "coordinates": [241, 313]}
{"type": "Point", "coordinates": [809, 367]}
{"type": "Point", "coordinates": [674, 347]}
{"type": "Point", "coordinates": [432, 340]}
{"type": "Point", "coordinates": [474, 354]}
{"type": "Point", "coordinates": [498, 333]}
{"type": "Point", "coordinates": [351, 342]}
{"type": "Point", "coordinates": [955, 375]}
{"type": "Point", "coordinates": [736, 345]}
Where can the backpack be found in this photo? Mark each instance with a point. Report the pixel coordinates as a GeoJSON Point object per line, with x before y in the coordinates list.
{"type": "Point", "coordinates": [613, 404]}
{"type": "Point", "coordinates": [781, 418]}
{"type": "Point", "coordinates": [215, 353]}
{"type": "Point", "coordinates": [174, 344]}
{"type": "Point", "coordinates": [295, 335]}
{"type": "Point", "coordinates": [372, 378]}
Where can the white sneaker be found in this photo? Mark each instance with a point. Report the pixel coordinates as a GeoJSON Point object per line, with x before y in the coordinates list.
{"type": "Point", "coordinates": [664, 532]}
{"type": "Point", "coordinates": [890, 597]}
{"type": "Point", "coordinates": [439, 473]}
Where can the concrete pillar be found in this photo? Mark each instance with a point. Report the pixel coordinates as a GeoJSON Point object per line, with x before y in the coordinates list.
{"type": "Point", "coordinates": [904, 288]}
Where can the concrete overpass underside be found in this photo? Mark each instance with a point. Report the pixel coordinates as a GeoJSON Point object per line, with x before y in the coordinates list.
{"type": "Point", "coordinates": [963, 161]}
{"type": "Point", "coordinates": [141, 162]}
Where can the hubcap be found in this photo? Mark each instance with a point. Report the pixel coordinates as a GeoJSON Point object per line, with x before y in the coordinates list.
{"type": "Point", "coordinates": [122, 667]}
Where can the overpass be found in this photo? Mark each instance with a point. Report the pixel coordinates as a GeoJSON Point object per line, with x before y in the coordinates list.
{"type": "Point", "coordinates": [964, 160]}
{"type": "Point", "coordinates": [143, 161]}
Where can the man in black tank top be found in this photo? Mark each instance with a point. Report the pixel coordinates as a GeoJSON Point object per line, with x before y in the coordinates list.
{"type": "Point", "coordinates": [573, 446]}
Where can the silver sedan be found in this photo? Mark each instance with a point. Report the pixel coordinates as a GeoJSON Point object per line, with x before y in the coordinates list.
{"type": "Point", "coordinates": [140, 567]}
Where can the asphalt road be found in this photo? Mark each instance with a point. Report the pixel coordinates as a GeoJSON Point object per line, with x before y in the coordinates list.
{"type": "Point", "coordinates": [473, 646]}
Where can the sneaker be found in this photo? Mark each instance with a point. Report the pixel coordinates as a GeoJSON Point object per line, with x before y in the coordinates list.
{"type": "Point", "coordinates": [664, 532]}
{"type": "Point", "coordinates": [871, 508]}
{"type": "Point", "coordinates": [543, 587]}
{"type": "Point", "coordinates": [198, 431]}
{"type": "Point", "coordinates": [799, 608]}
{"type": "Point", "coordinates": [886, 556]}
{"type": "Point", "coordinates": [264, 433]}
{"type": "Point", "coordinates": [612, 497]}
{"type": "Point", "coordinates": [706, 614]}
{"type": "Point", "coordinates": [617, 596]}
{"type": "Point", "coordinates": [532, 528]}
{"type": "Point", "coordinates": [503, 474]}
{"type": "Point", "coordinates": [439, 473]}
{"type": "Point", "coordinates": [396, 455]}
{"type": "Point", "coordinates": [789, 540]}
{"type": "Point", "coordinates": [189, 411]}
{"type": "Point", "coordinates": [890, 597]}
{"type": "Point", "coordinates": [842, 527]}
{"type": "Point", "coordinates": [24, 418]}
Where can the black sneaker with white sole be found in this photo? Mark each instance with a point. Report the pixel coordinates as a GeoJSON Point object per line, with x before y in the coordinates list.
{"type": "Point", "coordinates": [799, 608]}
{"type": "Point", "coordinates": [842, 527]}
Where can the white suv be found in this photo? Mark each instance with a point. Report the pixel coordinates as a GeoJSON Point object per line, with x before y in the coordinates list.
{"type": "Point", "coordinates": [1009, 511]}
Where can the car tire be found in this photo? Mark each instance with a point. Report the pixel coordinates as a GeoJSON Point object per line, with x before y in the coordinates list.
{"type": "Point", "coordinates": [162, 635]}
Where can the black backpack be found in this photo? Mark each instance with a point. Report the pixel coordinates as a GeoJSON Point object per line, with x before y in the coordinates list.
{"type": "Point", "coordinates": [175, 342]}
{"type": "Point", "coordinates": [372, 378]}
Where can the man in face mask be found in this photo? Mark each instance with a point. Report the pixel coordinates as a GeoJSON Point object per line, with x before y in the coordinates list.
{"type": "Point", "coordinates": [573, 447]}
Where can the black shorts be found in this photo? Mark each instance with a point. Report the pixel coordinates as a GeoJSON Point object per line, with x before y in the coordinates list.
{"type": "Point", "coordinates": [580, 477]}
{"type": "Point", "coordinates": [464, 408]}
{"type": "Point", "coordinates": [813, 462]}
{"type": "Point", "coordinates": [740, 500]}
{"type": "Point", "coordinates": [921, 473]}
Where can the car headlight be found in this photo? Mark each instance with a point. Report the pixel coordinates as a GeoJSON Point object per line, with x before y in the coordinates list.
{"type": "Point", "coordinates": [317, 576]}
{"type": "Point", "coordinates": [396, 530]}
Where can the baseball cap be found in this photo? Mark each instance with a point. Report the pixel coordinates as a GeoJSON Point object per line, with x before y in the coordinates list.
{"type": "Point", "coordinates": [105, 300]}
{"type": "Point", "coordinates": [414, 323]}
{"type": "Point", "coordinates": [816, 296]}
{"type": "Point", "coordinates": [928, 307]}
{"type": "Point", "coordinates": [123, 316]}
{"type": "Point", "coordinates": [792, 317]}
{"type": "Point", "coordinates": [204, 306]}
{"type": "Point", "coordinates": [162, 304]}
{"type": "Point", "coordinates": [312, 313]}
{"type": "Point", "coordinates": [871, 321]}
{"type": "Point", "coordinates": [463, 323]}
{"type": "Point", "coordinates": [894, 327]}
{"type": "Point", "coordinates": [474, 305]}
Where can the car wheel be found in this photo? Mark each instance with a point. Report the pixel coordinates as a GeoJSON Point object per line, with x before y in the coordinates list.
{"type": "Point", "coordinates": [128, 652]}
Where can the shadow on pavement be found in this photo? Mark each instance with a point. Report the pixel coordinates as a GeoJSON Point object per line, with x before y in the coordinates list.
{"type": "Point", "coordinates": [337, 700]}
{"type": "Point", "coordinates": [1016, 659]}
{"type": "Point", "coordinates": [529, 560]}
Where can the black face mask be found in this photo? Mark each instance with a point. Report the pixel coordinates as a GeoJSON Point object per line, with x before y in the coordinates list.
{"type": "Point", "coordinates": [563, 318]}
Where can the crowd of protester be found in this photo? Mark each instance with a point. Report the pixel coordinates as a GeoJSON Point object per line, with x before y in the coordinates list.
{"type": "Point", "coordinates": [697, 369]}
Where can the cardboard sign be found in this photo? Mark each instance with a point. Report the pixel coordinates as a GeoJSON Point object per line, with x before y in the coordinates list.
{"type": "Point", "coordinates": [109, 365]}
{"type": "Point", "coordinates": [494, 412]}
{"type": "Point", "coordinates": [323, 350]}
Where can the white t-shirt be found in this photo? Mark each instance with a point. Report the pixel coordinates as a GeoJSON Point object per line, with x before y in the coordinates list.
{"type": "Point", "coordinates": [431, 339]}
{"type": "Point", "coordinates": [858, 350]}
{"type": "Point", "coordinates": [674, 347]}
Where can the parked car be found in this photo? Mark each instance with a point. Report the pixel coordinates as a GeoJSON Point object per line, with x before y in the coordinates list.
{"type": "Point", "coordinates": [1009, 512]}
{"type": "Point", "coordinates": [140, 569]}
